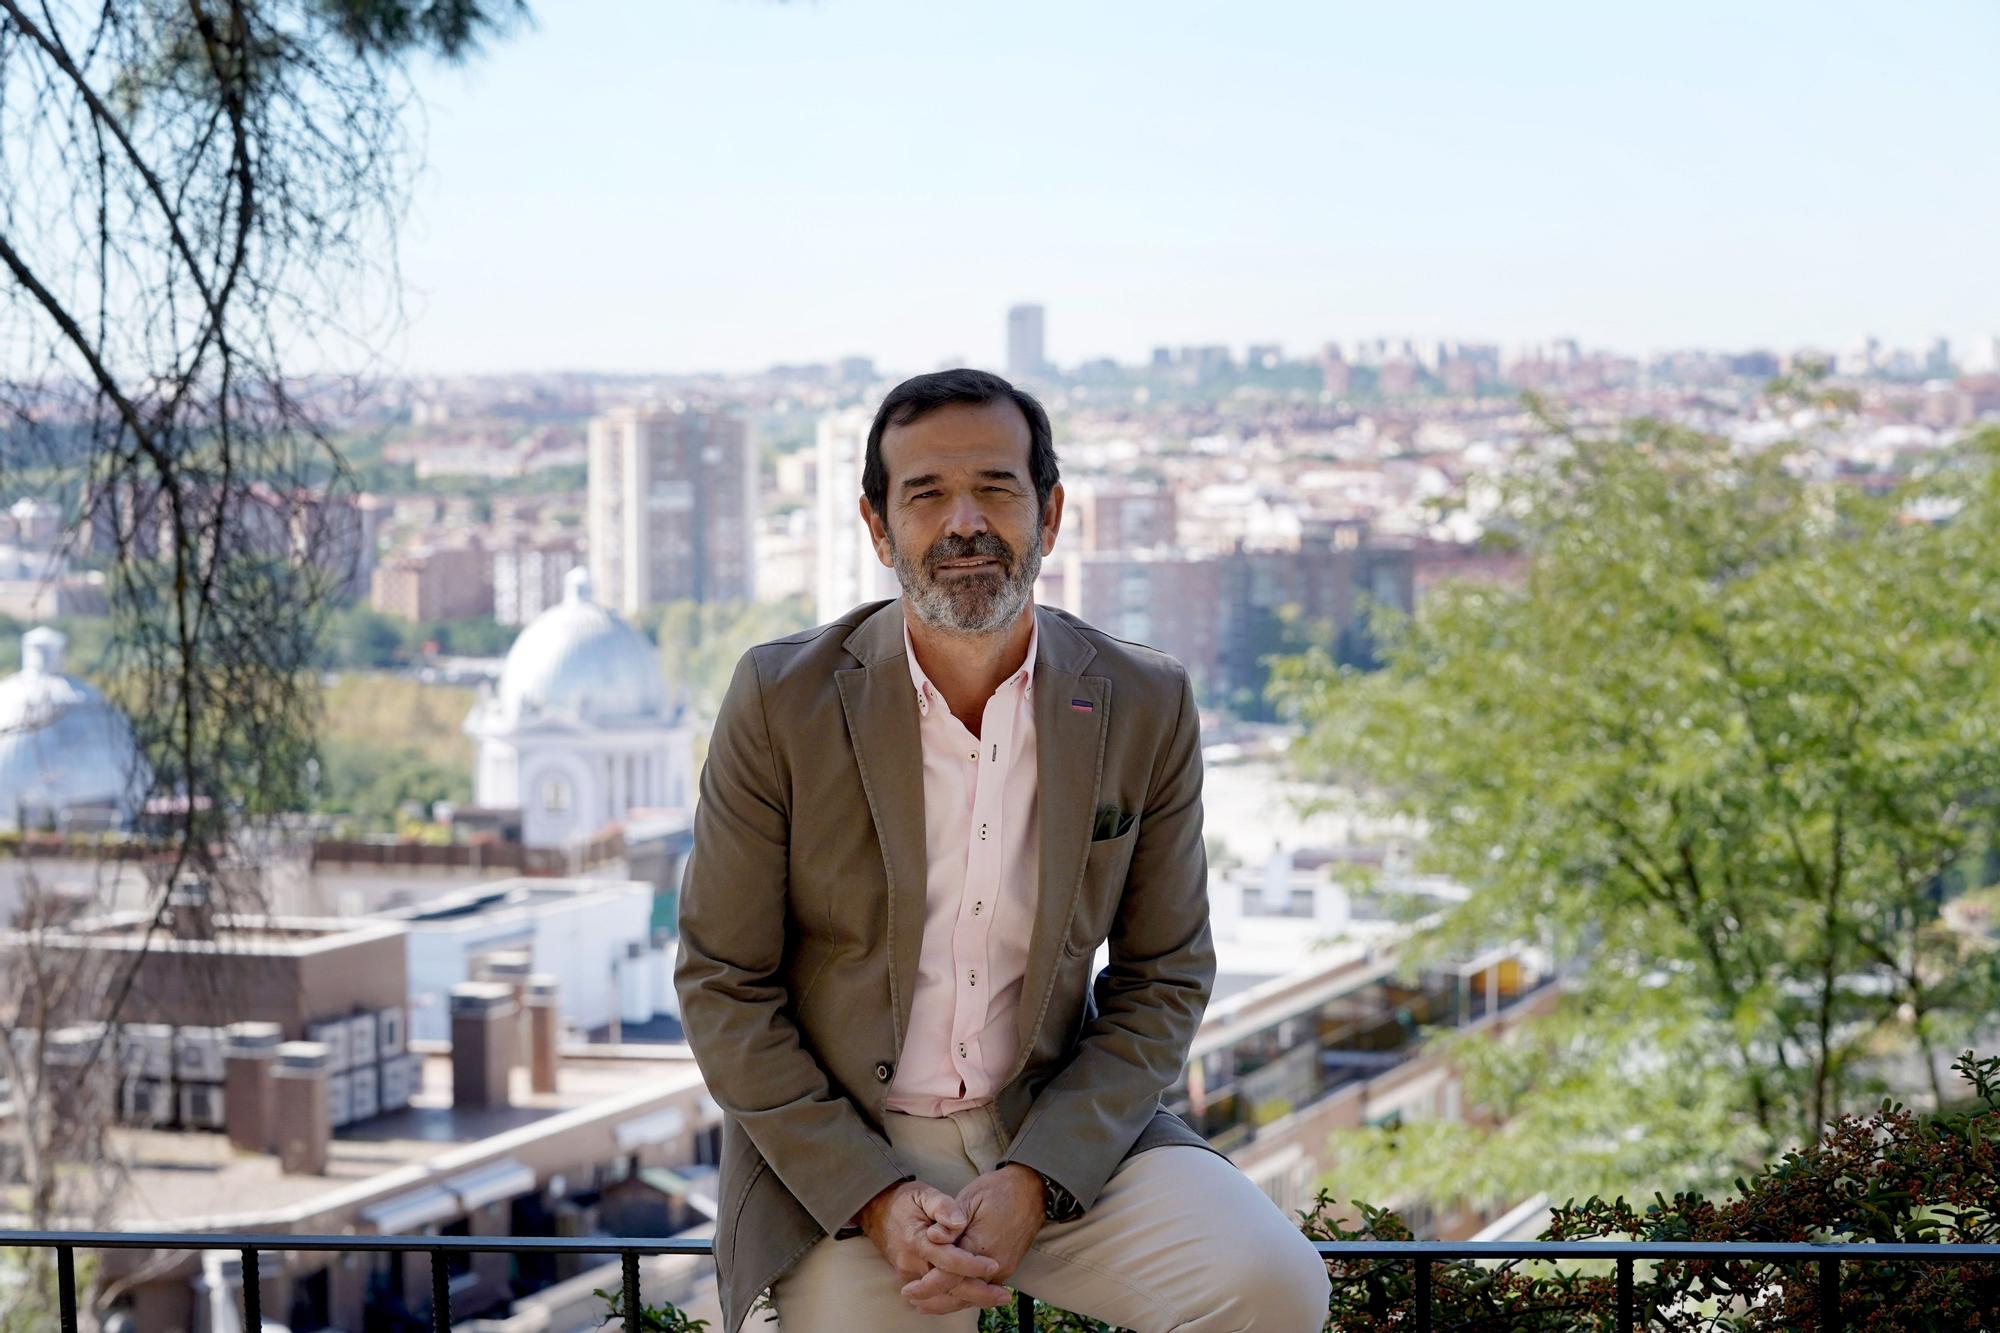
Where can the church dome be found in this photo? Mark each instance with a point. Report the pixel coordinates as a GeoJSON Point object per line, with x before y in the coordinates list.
{"type": "Point", "coordinates": [581, 659]}
{"type": "Point", "coordinates": [63, 746]}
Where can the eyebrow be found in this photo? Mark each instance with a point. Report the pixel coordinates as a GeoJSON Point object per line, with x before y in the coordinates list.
{"type": "Point", "coordinates": [932, 478]}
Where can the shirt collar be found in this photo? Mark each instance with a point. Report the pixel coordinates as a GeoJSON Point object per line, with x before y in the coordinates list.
{"type": "Point", "coordinates": [1025, 677]}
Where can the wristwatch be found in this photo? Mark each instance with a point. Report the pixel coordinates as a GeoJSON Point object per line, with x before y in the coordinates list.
{"type": "Point", "coordinates": [1059, 1205]}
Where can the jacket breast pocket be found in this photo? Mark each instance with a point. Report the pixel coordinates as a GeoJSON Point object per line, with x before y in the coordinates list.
{"type": "Point", "coordinates": [1104, 870]}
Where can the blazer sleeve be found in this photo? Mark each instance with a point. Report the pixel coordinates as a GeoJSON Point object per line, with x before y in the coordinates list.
{"type": "Point", "coordinates": [1149, 998]}
{"type": "Point", "coordinates": [730, 976]}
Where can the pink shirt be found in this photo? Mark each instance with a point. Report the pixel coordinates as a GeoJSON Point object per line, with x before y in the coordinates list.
{"type": "Point", "coordinates": [984, 837]}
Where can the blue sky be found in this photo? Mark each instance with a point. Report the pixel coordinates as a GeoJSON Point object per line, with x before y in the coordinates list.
{"type": "Point", "coordinates": [665, 185]}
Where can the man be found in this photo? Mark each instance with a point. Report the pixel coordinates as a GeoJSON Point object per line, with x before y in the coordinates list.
{"type": "Point", "coordinates": [916, 826]}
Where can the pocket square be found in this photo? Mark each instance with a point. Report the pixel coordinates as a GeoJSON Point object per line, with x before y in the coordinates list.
{"type": "Point", "coordinates": [1110, 823]}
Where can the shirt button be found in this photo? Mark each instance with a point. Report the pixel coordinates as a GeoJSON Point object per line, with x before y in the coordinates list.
{"type": "Point", "coordinates": [974, 756]}
{"type": "Point", "coordinates": [982, 833]}
{"type": "Point", "coordinates": [972, 977]}
{"type": "Point", "coordinates": [976, 907]}
{"type": "Point", "coordinates": [961, 1050]}
{"type": "Point", "coordinates": [882, 1072]}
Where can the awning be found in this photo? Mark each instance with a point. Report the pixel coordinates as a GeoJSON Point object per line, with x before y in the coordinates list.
{"type": "Point", "coordinates": [504, 1179]}
{"type": "Point", "coordinates": [656, 1127]}
{"type": "Point", "coordinates": [402, 1214]}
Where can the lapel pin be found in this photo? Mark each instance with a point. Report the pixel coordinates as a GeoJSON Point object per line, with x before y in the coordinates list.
{"type": "Point", "coordinates": [1080, 705]}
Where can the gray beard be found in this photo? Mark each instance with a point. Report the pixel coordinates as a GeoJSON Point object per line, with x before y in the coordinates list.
{"type": "Point", "coordinates": [971, 607]}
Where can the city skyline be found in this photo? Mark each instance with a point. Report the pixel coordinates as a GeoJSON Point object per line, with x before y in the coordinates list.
{"type": "Point", "coordinates": [1779, 178]}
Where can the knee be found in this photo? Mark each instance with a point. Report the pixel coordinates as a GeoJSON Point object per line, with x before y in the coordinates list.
{"type": "Point", "coordinates": [1280, 1288]}
{"type": "Point", "coordinates": [1295, 1291]}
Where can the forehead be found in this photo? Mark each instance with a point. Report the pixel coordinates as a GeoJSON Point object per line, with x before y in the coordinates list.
{"type": "Point", "coordinates": [959, 435]}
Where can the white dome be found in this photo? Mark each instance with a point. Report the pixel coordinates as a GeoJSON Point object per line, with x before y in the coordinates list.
{"type": "Point", "coordinates": [580, 659]}
{"type": "Point", "coordinates": [62, 745]}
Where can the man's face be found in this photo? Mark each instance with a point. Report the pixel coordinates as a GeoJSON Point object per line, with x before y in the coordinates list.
{"type": "Point", "coordinates": [961, 530]}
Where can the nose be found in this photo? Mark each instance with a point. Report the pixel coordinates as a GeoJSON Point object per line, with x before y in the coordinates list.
{"type": "Point", "coordinates": [966, 519]}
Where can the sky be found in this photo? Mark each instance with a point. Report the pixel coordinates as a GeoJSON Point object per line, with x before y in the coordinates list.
{"type": "Point", "coordinates": [683, 185]}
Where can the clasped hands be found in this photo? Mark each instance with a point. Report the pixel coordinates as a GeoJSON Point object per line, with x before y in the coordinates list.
{"type": "Point", "coordinates": [952, 1253]}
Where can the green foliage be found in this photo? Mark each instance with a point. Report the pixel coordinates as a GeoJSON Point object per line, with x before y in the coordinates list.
{"type": "Point", "coordinates": [1610, 1093]}
{"type": "Point", "coordinates": [359, 638]}
{"type": "Point", "coordinates": [390, 741]}
{"type": "Point", "coordinates": [450, 29]}
{"type": "Point", "coordinates": [652, 1318]}
{"type": "Point", "coordinates": [701, 641]}
{"type": "Point", "coordinates": [373, 785]}
{"type": "Point", "coordinates": [1727, 745]}
{"type": "Point", "coordinates": [1892, 1177]}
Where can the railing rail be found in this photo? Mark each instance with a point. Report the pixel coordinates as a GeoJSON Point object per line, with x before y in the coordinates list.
{"type": "Point", "coordinates": [1424, 1254]}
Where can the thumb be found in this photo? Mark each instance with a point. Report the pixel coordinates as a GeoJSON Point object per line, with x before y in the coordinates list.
{"type": "Point", "coordinates": [942, 1209]}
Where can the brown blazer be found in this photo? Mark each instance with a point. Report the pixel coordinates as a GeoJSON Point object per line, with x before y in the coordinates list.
{"type": "Point", "coordinates": [803, 907]}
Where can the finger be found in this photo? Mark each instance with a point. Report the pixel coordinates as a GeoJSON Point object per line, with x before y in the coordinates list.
{"type": "Point", "coordinates": [962, 1263]}
{"type": "Point", "coordinates": [941, 1208]}
{"type": "Point", "coordinates": [968, 1294]}
{"type": "Point", "coordinates": [935, 1283]}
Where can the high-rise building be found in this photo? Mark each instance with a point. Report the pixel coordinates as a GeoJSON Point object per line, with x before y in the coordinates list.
{"type": "Point", "coordinates": [528, 577]}
{"type": "Point", "coordinates": [1025, 358]}
{"type": "Point", "coordinates": [672, 507]}
{"type": "Point", "coordinates": [435, 583]}
{"type": "Point", "coordinates": [849, 572]}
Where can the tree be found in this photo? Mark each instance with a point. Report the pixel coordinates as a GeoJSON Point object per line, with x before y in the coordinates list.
{"type": "Point", "coordinates": [1728, 746]}
{"type": "Point", "coordinates": [195, 199]}
{"type": "Point", "coordinates": [700, 642]}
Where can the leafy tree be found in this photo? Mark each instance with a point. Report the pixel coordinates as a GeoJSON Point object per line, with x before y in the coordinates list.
{"type": "Point", "coordinates": [701, 641]}
{"type": "Point", "coordinates": [191, 197]}
{"type": "Point", "coordinates": [1727, 746]}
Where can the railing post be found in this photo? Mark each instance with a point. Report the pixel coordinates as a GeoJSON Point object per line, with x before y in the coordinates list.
{"type": "Point", "coordinates": [440, 1294]}
{"type": "Point", "coordinates": [1624, 1296]}
{"type": "Point", "coordinates": [1024, 1312]}
{"type": "Point", "coordinates": [253, 1294]}
{"type": "Point", "coordinates": [633, 1315]}
{"type": "Point", "coordinates": [66, 1286]}
{"type": "Point", "coordinates": [1829, 1295]}
{"type": "Point", "coordinates": [1423, 1295]}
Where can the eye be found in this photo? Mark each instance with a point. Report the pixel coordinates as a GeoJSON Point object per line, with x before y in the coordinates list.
{"type": "Point", "coordinates": [923, 495]}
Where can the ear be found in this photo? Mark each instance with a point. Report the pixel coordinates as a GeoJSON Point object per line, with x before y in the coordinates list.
{"type": "Point", "coordinates": [1052, 518]}
{"type": "Point", "coordinates": [878, 532]}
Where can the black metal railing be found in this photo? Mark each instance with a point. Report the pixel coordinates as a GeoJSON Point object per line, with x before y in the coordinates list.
{"type": "Point", "coordinates": [1424, 1254]}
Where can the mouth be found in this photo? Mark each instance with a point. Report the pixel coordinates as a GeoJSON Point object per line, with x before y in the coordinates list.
{"type": "Point", "coordinates": [983, 565]}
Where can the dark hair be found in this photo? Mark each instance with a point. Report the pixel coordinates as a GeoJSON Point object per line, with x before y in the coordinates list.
{"type": "Point", "coordinates": [921, 395]}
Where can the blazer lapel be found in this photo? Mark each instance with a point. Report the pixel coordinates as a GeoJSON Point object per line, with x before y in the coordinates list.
{"type": "Point", "coordinates": [1069, 768]}
{"type": "Point", "coordinates": [881, 710]}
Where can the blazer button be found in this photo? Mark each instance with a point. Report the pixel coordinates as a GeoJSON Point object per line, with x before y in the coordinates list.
{"type": "Point", "coordinates": [882, 1073]}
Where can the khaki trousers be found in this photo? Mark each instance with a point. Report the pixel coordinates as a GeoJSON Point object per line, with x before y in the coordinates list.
{"type": "Point", "coordinates": [1178, 1240]}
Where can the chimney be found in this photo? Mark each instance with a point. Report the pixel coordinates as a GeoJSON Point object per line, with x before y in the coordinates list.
{"type": "Point", "coordinates": [249, 1093]}
{"type": "Point", "coordinates": [483, 1018]}
{"type": "Point", "coordinates": [304, 1123]}
{"type": "Point", "coordinates": [544, 1020]}
{"type": "Point", "coordinates": [511, 969]}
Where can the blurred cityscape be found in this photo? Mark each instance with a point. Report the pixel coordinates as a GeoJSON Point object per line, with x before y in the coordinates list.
{"type": "Point", "coordinates": [457, 1016]}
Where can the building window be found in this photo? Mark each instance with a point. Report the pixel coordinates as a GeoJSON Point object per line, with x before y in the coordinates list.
{"type": "Point", "coordinates": [555, 795]}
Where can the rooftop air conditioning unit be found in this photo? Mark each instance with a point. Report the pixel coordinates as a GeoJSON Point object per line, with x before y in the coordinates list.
{"type": "Point", "coordinates": [339, 1100]}
{"type": "Point", "coordinates": [390, 1033]}
{"type": "Point", "coordinates": [332, 1034]}
{"type": "Point", "coordinates": [198, 1055]}
{"type": "Point", "coordinates": [201, 1105]}
{"type": "Point", "coordinates": [365, 1093]}
{"type": "Point", "coordinates": [147, 1101]}
{"type": "Point", "coordinates": [361, 1038]}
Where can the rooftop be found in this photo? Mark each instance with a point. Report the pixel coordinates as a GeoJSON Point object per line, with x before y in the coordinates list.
{"type": "Point", "coordinates": [198, 1181]}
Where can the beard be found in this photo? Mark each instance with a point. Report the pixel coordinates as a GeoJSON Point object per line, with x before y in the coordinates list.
{"type": "Point", "coordinates": [967, 604]}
